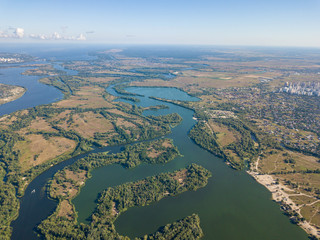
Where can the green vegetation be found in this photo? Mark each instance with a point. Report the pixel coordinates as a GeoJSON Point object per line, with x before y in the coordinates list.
{"type": "Point", "coordinates": [173, 119]}
{"type": "Point", "coordinates": [208, 140]}
{"type": "Point", "coordinates": [116, 200]}
{"type": "Point", "coordinates": [186, 228]}
{"type": "Point", "coordinates": [245, 148]}
{"type": "Point", "coordinates": [159, 151]}
{"type": "Point", "coordinates": [132, 99]}
{"type": "Point", "coordinates": [184, 104]}
{"type": "Point", "coordinates": [156, 127]}
{"type": "Point", "coordinates": [32, 140]}
{"type": "Point", "coordinates": [120, 198]}
{"type": "Point", "coordinates": [120, 89]}
{"type": "Point", "coordinates": [71, 178]}
{"type": "Point", "coordinates": [8, 211]}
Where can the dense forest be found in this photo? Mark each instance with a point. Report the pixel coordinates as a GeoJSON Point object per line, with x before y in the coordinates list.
{"type": "Point", "coordinates": [186, 228]}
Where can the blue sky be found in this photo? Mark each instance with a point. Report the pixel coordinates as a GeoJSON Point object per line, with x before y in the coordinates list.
{"type": "Point", "coordinates": [209, 22]}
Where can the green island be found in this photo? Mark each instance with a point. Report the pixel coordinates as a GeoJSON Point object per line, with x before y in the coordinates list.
{"type": "Point", "coordinates": [67, 182]}
{"type": "Point", "coordinates": [113, 201]}
{"type": "Point", "coordinates": [186, 228]}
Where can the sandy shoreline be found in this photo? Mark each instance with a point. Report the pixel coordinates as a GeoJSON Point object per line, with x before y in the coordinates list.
{"type": "Point", "coordinates": [280, 195]}
{"type": "Point", "coordinates": [16, 92]}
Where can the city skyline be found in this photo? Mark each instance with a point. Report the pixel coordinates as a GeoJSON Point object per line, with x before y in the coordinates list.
{"type": "Point", "coordinates": [263, 23]}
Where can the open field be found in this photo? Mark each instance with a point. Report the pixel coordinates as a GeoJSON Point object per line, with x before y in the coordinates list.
{"type": "Point", "coordinates": [40, 124]}
{"type": "Point", "coordinates": [87, 97]}
{"type": "Point", "coordinates": [66, 210]}
{"type": "Point", "coordinates": [225, 136]}
{"type": "Point", "coordinates": [87, 124]}
{"type": "Point", "coordinates": [37, 150]}
{"type": "Point", "coordinates": [276, 161]}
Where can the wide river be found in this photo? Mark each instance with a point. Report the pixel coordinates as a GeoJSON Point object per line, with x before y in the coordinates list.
{"type": "Point", "coordinates": [231, 206]}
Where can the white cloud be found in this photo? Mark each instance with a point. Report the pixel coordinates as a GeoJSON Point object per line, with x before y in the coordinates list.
{"type": "Point", "coordinates": [12, 33]}
{"type": "Point", "coordinates": [57, 36]}
{"type": "Point", "coordinates": [19, 32]}
{"type": "Point", "coordinates": [81, 37]}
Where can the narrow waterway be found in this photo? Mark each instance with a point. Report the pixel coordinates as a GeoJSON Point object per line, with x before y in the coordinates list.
{"type": "Point", "coordinates": [35, 205]}
{"type": "Point", "coordinates": [231, 206]}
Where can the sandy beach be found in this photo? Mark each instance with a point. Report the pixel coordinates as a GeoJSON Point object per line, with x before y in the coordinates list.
{"type": "Point", "coordinates": [281, 194]}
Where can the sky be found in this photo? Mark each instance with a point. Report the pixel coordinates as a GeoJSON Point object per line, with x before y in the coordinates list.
{"type": "Point", "coordinates": [177, 22]}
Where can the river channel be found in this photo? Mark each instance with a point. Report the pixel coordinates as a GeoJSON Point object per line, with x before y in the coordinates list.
{"type": "Point", "coordinates": [231, 206]}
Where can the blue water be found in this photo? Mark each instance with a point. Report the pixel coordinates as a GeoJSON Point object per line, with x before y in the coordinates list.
{"type": "Point", "coordinates": [231, 206]}
{"type": "Point", "coordinates": [36, 94]}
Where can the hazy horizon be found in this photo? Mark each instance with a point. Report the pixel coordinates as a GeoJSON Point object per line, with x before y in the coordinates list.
{"type": "Point", "coordinates": [228, 23]}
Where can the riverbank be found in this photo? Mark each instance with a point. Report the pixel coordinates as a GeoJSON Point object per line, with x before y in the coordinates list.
{"type": "Point", "coordinates": [281, 194]}
{"type": "Point", "coordinates": [14, 93]}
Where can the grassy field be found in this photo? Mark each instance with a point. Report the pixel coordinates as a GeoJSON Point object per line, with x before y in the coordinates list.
{"type": "Point", "coordinates": [37, 150]}
{"type": "Point", "coordinates": [275, 161]}
{"type": "Point", "coordinates": [86, 97]}
{"type": "Point", "coordinates": [225, 136]}
{"type": "Point", "coordinates": [87, 124]}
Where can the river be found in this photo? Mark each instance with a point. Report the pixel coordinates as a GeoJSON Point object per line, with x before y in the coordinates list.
{"type": "Point", "coordinates": [36, 94]}
{"type": "Point", "coordinates": [231, 206]}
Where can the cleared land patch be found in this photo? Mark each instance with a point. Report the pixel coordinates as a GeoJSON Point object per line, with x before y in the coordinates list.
{"type": "Point", "coordinates": [37, 150]}
{"type": "Point", "coordinates": [86, 97]}
{"type": "Point", "coordinates": [66, 210]}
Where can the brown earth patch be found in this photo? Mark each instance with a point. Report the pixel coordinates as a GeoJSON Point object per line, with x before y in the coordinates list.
{"type": "Point", "coordinates": [276, 162]}
{"type": "Point", "coordinates": [225, 136]}
{"type": "Point", "coordinates": [39, 124]}
{"type": "Point", "coordinates": [78, 176]}
{"type": "Point", "coordinates": [181, 176]}
{"type": "Point", "coordinates": [167, 143]}
{"type": "Point", "coordinates": [65, 210]}
{"type": "Point", "coordinates": [152, 153]}
{"type": "Point", "coordinates": [122, 122]}
{"type": "Point", "coordinates": [86, 97]}
{"type": "Point", "coordinates": [114, 211]}
{"type": "Point", "coordinates": [37, 150]}
{"type": "Point", "coordinates": [63, 190]}
{"type": "Point", "coordinates": [116, 111]}
{"type": "Point", "coordinates": [89, 123]}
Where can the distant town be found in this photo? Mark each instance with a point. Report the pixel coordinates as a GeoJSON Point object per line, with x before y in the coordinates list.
{"type": "Point", "coordinates": [10, 60]}
{"type": "Point", "coordinates": [14, 58]}
{"type": "Point", "coordinates": [302, 88]}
